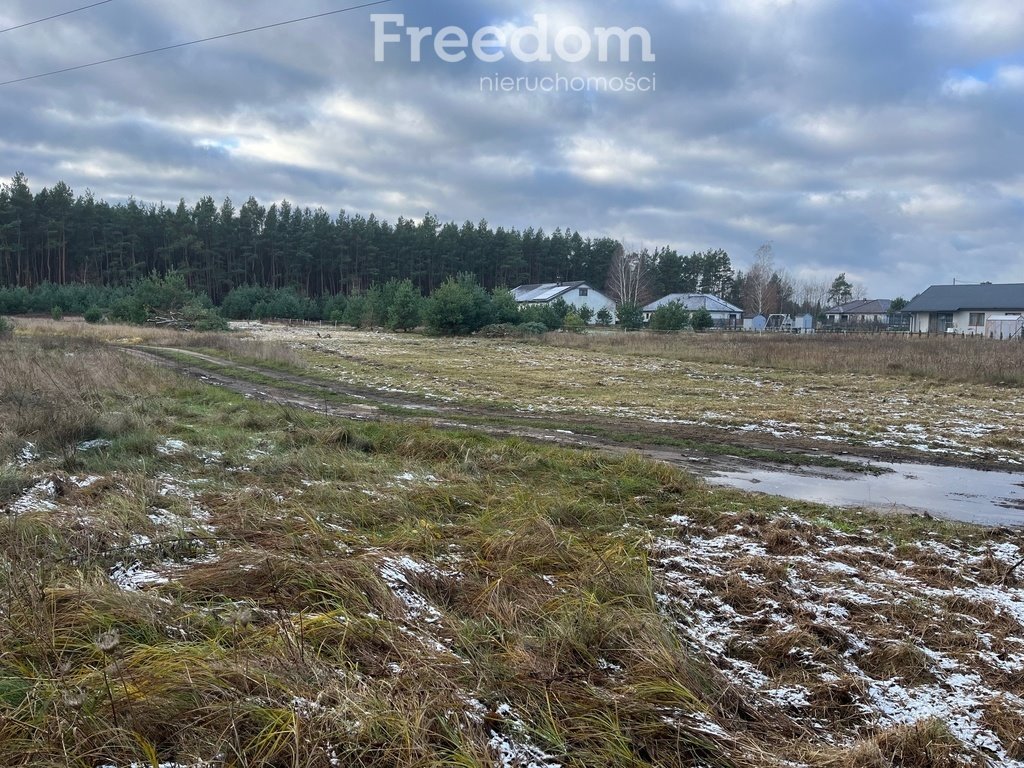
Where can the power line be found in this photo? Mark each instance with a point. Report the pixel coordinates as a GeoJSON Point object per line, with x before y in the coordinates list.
{"type": "Point", "coordinates": [55, 16]}
{"type": "Point", "coordinates": [195, 42]}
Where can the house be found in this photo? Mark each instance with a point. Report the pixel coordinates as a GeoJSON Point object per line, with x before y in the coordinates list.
{"type": "Point", "coordinates": [860, 312]}
{"type": "Point", "coordinates": [578, 294]}
{"type": "Point", "coordinates": [963, 309]}
{"type": "Point", "coordinates": [724, 314]}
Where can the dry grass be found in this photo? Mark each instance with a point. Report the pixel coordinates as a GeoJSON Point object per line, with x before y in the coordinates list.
{"type": "Point", "coordinates": [972, 360]}
{"type": "Point", "coordinates": [927, 744]}
{"type": "Point", "coordinates": [238, 346]}
{"type": "Point", "coordinates": [234, 582]}
{"type": "Point", "coordinates": [55, 393]}
{"type": "Point", "coordinates": [373, 616]}
{"type": "Point", "coordinates": [760, 401]}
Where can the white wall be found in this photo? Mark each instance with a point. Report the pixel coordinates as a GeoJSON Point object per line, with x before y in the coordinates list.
{"type": "Point", "coordinates": [594, 299]}
{"type": "Point", "coordinates": [961, 321]}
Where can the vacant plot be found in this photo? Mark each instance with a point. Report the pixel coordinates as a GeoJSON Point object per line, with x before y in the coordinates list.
{"type": "Point", "coordinates": [971, 360]}
{"type": "Point", "coordinates": [923, 417]}
{"type": "Point", "coordinates": [190, 577]}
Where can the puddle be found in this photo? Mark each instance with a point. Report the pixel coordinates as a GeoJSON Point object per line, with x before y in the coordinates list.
{"type": "Point", "coordinates": [955, 493]}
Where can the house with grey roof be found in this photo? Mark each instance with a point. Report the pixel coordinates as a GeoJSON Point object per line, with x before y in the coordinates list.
{"type": "Point", "coordinates": [578, 294]}
{"type": "Point", "coordinates": [963, 309]}
{"type": "Point", "coordinates": [724, 314]}
{"type": "Point", "coordinates": [860, 312]}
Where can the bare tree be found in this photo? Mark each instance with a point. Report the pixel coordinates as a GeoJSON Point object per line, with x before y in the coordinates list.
{"type": "Point", "coordinates": [630, 276]}
{"type": "Point", "coordinates": [813, 294]}
{"type": "Point", "coordinates": [758, 288]}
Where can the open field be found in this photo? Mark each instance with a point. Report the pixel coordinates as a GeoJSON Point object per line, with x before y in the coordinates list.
{"type": "Point", "coordinates": [896, 415]}
{"type": "Point", "coordinates": [972, 360]}
{"type": "Point", "coordinates": [195, 577]}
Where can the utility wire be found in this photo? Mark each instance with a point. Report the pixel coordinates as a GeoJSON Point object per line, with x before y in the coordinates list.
{"type": "Point", "coordinates": [55, 16]}
{"type": "Point", "coordinates": [194, 42]}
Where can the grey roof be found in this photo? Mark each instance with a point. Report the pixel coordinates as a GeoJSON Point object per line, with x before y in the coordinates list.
{"type": "Point", "coordinates": [695, 301]}
{"type": "Point", "coordinates": [954, 298]}
{"type": "Point", "coordinates": [545, 292]}
{"type": "Point", "coordinates": [862, 307]}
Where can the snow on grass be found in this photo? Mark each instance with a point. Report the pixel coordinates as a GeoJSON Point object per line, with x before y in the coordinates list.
{"type": "Point", "coordinates": [134, 576]}
{"type": "Point", "coordinates": [788, 611]}
{"type": "Point", "coordinates": [40, 497]}
{"type": "Point", "coordinates": [514, 748]}
{"type": "Point", "coordinates": [171, 447]}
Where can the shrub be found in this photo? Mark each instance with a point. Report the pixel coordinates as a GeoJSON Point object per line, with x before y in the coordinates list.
{"type": "Point", "coordinates": [542, 314]}
{"type": "Point", "coordinates": [670, 317]}
{"type": "Point", "coordinates": [631, 316]}
{"type": "Point", "coordinates": [6, 328]}
{"type": "Point", "coordinates": [93, 315]}
{"type": "Point", "coordinates": [574, 323]}
{"type": "Point", "coordinates": [702, 320]}
{"type": "Point", "coordinates": [604, 316]}
{"type": "Point", "coordinates": [459, 307]}
{"type": "Point", "coordinates": [355, 311]}
{"type": "Point", "coordinates": [405, 308]}
{"type": "Point", "coordinates": [57, 313]}
{"type": "Point", "coordinates": [504, 307]}
{"type": "Point", "coordinates": [202, 318]}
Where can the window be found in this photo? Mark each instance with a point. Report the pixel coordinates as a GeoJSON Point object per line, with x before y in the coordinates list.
{"type": "Point", "coordinates": [977, 319]}
{"type": "Point", "coordinates": [584, 291]}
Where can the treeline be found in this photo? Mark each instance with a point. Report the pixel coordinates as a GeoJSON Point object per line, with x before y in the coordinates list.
{"type": "Point", "coordinates": [459, 306]}
{"type": "Point", "coordinates": [54, 237]}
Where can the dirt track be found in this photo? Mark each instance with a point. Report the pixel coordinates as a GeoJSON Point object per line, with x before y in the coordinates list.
{"type": "Point", "coordinates": [707, 451]}
{"type": "Point", "coordinates": [691, 446]}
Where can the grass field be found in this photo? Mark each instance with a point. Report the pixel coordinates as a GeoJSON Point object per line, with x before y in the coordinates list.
{"type": "Point", "coordinates": [661, 381]}
{"type": "Point", "coordinates": [190, 577]}
{"type": "Point", "coordinates": [970, 360]}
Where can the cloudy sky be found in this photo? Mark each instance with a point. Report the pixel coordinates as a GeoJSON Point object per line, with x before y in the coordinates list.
{"type": "Point", "coordinates": [884, 138]}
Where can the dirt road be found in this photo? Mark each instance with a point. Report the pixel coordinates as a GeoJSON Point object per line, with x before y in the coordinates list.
{"type": "Point", "coordinates": [729, 458]}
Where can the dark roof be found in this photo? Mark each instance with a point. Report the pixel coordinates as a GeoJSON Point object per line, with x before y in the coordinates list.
{"type": "Point", "coordinates": [954, 298]}
{"type": "Point", "coordinates": [862, 307]}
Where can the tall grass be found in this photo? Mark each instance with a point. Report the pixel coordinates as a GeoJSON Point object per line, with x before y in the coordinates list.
{"type": "Point", "coordinates": [960, 359]}
{"type": "Point", "coordinates": [57, 392]}
{"type": "Point", "coordinates": [238, 346]}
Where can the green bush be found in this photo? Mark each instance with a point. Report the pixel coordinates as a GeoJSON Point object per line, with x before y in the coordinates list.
{"type": "Point", "coordinates": [57, 313]}
{"type": "Point", "coordinates": [574, 323]}
{"type": "Point", "coordinates": [631, 316]}
{"type": "Point", "coordinates": [405, 309]}
{"type": "Point", "coordinates": [604, 316]}
{"type": "Point", "coordinates": [202, 318]}
{"type": "Point", "coordinates": [6, 328]}
{"type": "Point", "coordinates": [459, 307]}
{"type": "Point", "coordinates": [702, 320]}
{"type": "Point", "coordinates": [541, 314]}
{"type": "Point", "coordinates": [670, 317]}
{"type": "Point", "coordinates": [504, 307]}
{"type": "Point", "coordinates": [93, 315]}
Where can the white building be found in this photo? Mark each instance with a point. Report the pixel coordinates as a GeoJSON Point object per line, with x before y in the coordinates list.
{"type": "Point", "coordinates": [963, 309]}
{"type": "Point", "coordinates": [578, 294]}
{"type": "Point", "coordinates": [722, 312]}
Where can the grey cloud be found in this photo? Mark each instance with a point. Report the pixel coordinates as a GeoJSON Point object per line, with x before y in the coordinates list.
{"type": "Point", "coordinates": [828, 128]}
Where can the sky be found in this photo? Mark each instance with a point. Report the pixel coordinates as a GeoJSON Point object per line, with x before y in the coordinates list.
{"type": "Point", "coordinates": [880, 138]}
